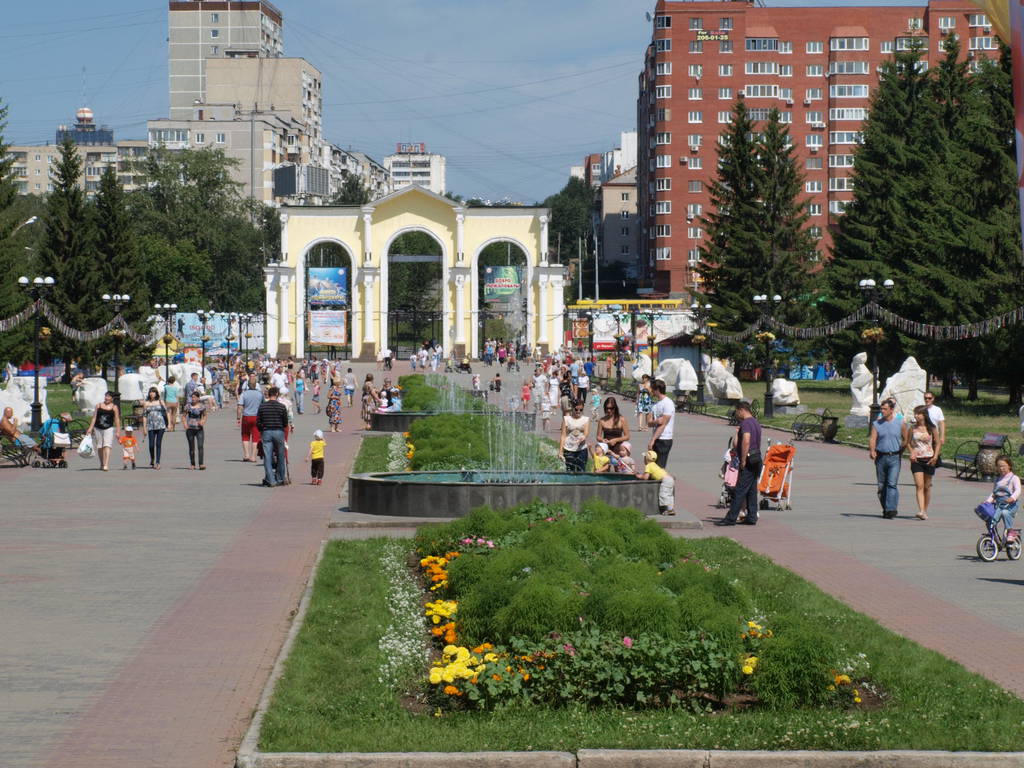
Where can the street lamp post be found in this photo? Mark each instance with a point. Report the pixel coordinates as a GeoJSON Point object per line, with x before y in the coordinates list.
{"type": "Point", "coordinates": [117, 301]}
{"type": "Point", "coordinates": [873, 292]}
{"type": "Point", "coordinates": [590, 333]}
{"type": "Point", "coordinates": [700, 317]}
{"type": "Point", "coordinates": [204, 317]}
{"type": "Point", "coordinates": [30, 220]}
{"type": "Point", "coordinates": [37, 288]}
{"type": "Point", "coordinates": [765, 304]}
{"type": "Point", "coordinates": [167, 311]}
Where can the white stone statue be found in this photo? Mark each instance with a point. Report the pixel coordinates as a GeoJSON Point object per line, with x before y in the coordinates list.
{"type": "Point", "coordinates": [182, 373]}
{"type": "Point", "coordinates": [22, 408]}
{"type": "Point", "coordinates": [907, 387]}
{"type": "Point", "coordinates": [784, 392]}
{"type": "Point", "coordinates": [130, 385]}
{"type": "Point", "coordinates": [641, 365]}
{"type": "Point", "coordinates": [860, 385]}
{"type": "Point", "coordinates": [19, 394]}
{"type": "Point", "coordinates": [722, 385]}
{"type": "Point", "coordinates": [678, 375]}
{"type": "Point", "coordinates": [151, 377]}
{"type": "Point", "coordinates": [90, 393]}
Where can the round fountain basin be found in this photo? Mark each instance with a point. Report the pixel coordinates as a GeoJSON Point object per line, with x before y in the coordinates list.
{"type": "Point", "coordinates": [401, 421]}
{"type": "Point", "coordinates": [457, 493]}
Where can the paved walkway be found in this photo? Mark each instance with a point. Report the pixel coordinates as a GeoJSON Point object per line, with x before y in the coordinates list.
{"type": "Point", "coordinates": [142, 610]}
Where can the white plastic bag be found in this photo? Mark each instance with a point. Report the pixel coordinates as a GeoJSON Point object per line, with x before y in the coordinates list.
{"type": "Point", "coordinates": [61, 440]}
{"type": "Point", "coordinates": [85, 448]}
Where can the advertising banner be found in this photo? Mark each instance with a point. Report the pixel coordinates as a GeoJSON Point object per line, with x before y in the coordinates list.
{"type": "Point", "coordinates": [328, 327]}
{"type": "Point", "coordinates": [188, 330]}
{"type": "Point", "coordinates": [328, 286]}
{"type": "Point", "coordinates": [501, 284]}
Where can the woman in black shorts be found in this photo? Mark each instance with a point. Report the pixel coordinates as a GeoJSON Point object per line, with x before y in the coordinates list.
{"type": "Point", "coordinates": [923, 439]}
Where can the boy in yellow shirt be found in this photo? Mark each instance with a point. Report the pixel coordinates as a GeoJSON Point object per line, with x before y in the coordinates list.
{"type": "Point", "coordinates": [316, 457]}
{"type": "Point", "coordinates": [667, 487]}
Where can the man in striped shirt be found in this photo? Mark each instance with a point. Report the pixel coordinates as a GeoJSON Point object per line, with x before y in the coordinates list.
{"type": "Point", "coordinates": [272, 422]}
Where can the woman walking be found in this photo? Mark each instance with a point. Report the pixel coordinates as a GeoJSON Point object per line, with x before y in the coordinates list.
{"type": "Point", "coordinates": [106, 428]}
{"type": "Point", "coordinates": [572, 443]}
{"type": "Point", "coordinates": [923, 440]}
{"type": "Point", "coordinates": [193, 418]}
{"type": "Point", "coordinates": [171, 394]}
{"type": "Point", "coordinates": [643, 403]}
{"type": "Point", "coordinates": [154, 424]}
{"type": "Point", "coordinates": [300, 391]}
{"type": "Point", "coordinates": [335, 397]}
{"type": "Point", "coordinates": [612, 428]}
{"type": "Point", "coordinates": [370, 401]}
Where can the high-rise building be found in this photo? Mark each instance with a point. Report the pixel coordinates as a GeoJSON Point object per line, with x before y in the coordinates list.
{"type": "Point", "coordinates": [34, 165]}
{"type": "Point", "coordinates": [817, 65]}
{"type": "Point", "coordinates": [412, 164]}
{"type": "Point", "coordinates": [619, 227]}
{"type": "Point", "coordinates": [200, 30]}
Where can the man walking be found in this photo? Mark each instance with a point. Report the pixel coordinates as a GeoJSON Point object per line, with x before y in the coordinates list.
{"type": "Point", "coordinates": [938, 418]}
{"type": "Point", "coordinates": [272, 421]}
{"type": "Point", "coordinates": [888, 439]}
{"type": "Point", "coordinates": [248, 408]}
{"type": "Point", "coordinates": [662, 419]}
{"type": "Point", "coordinates": [748, 450]}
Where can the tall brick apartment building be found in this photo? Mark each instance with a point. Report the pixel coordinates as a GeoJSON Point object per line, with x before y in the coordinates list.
{"type": "Point", "coordinates": [818, 66]}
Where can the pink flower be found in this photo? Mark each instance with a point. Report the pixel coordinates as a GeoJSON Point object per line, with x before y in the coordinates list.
{"type": "Point", "coordinates": [568, 648]}
{"type": "Point", "coordinates": [628, 642]}
{"type": "Point", "coordinates": [549, 519]}
{"type": "Point", "coordinates": [490, 545]}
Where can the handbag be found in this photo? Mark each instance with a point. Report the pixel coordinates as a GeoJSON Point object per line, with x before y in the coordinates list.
{"type": "Point", "coordinates": [85, 448]}
{"type": "Point", "coordinates": [61, 440]}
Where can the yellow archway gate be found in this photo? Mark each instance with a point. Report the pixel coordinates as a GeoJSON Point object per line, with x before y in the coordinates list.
{"type": "Point", "coordinates": [366, 233]}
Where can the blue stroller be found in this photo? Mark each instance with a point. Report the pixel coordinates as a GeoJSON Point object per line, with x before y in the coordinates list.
{"type": "Point", "coordinates": [53, 441]}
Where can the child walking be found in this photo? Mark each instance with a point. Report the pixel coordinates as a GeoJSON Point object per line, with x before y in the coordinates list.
{"type": "Point", "coordinates": [128, 446]}
{"type": "Point", "coordinates": [315, 457]}
{"type": "Point", "coordinates": [316, 395]}
{"type": "Point", "coordinates": [667, 487]}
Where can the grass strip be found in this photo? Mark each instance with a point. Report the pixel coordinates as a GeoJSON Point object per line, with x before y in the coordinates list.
{"type": "Point", "coordinates": [330, 698]}
{"type": "Point", "coordinates": [372, 456]}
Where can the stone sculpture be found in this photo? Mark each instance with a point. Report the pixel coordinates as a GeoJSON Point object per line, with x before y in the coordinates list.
{"type": "Point", "coordinates": [130, 385]}
{"type": "Point", "coordinates": [678, 375]}
{"type": "Point", "coordinates": [19, 394]}
{"type": "Point", "coordinates": [90, 393]}
{"type": "Point", "coordinates": [721, 384]}
{"type": "Point", "coordinates": [860, 385]}
{"type": "Point", "coordinates": [907, 387]}
{"type": "Point", "coordinates": [641, 365]}
{"type": "Point", "coordinates": [785, 393]}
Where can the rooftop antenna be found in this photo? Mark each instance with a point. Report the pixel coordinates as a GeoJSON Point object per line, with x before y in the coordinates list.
{"type": "Point", "coordinates": [83, 102]}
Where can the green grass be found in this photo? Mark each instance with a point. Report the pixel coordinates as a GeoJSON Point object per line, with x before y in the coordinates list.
{"type": "Point", "coordinates": [372, 456]}
{"type": "Point", "coordinates": [329, 699]}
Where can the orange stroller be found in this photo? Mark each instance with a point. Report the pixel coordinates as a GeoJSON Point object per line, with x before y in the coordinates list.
{"type": "Point", "coordinates": [776, 479]}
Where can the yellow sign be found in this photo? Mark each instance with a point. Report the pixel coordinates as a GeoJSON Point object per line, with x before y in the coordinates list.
{"type": "Point", "coordinates": [712, 36]}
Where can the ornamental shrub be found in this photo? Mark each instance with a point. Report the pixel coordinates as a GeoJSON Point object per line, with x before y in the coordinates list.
{"type": "Point", "coordinates": [795, 668]}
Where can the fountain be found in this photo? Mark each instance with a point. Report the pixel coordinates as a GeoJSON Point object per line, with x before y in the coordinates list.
{"type": "Point", "coordinates": [450, 399]}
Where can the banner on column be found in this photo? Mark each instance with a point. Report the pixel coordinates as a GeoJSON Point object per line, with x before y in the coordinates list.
{"type": "Point", "coordinates": [328, 287]}
{"type": "Point", "coordinates": [328, 327]}
{"type": "Point", "coordinates": [501, 284]}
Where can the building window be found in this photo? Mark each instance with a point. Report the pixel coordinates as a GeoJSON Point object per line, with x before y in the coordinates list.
{"type": "Point", "coordinates": [840, 184]}
{"type": "Point", "coordinates": [886, 46]}
{"type": "Point", "coordinates": [214, 33]}
{"type": "Point", "coordinates": [848, 91]}
{"type": "Point", "coordinates": [624, 231]}
{"type": "Point", "coordinates": [695, 94]}
{"type": "Point", "coordinates": [663, 230]}
{"type": "Point", "coordinates": [221, 138]}
{"type": "Point", "coordinates": [663, 91]}
{"type": "Point", "coordinates": [983, 44]}
{"type": "Point", "coordinates": [838, 206]}
{"type": "Point", "coordinates": [693, 257]}
{"type": "Point", "coordinates": [662, 22]}
{"type": "Point", "coordinates": [215, 18]}
{"type": "Point", "coordinates": [663, 253]}
{"type": "Point", "coordinates": [696, 46]}
{"type": "Point", "coordinates": [814, 117]}
{"type": "Point", "coordinates": [662, 207]}
{"type": "Point", "coordinates": [694, 233]}
{"type": "Point", "coordinates": [814, 209]}
{"type": "Point", "coordinates": [725, 118]}
{"type": "Point", "coordinates": [947, 23]}
{"type": "Point", "coordinates": [786, 93]}
{"type": "Point", "coordinates": [695, 163]}
{"type": "Point", "coordinates": [693, 210]}
{"type": "Point", "coordinates": [844, 137]}
{"type": "Point", "coordinates": [848, 68]}
{"type": "Point", "coordinates": [815, 46]}
{"type": "Point", "coordinates": [663, 44]}
{"type": "Point", "coordinates": [814, 140]}
{"type": "Point", "coordinates": [812, 186]}
{"type": "Point", "coordinates": [623, 214]}
{"type": "Point", "coordinates": [815, 70]}
{"type": "Point", "coordinates": [624, 196]}
{"type": "Point", "coordinates": [663, 185]}
{"type": "Point", "coordinates": [848, 113]}
{"type": "Point", "coordinates": [814, 94]}
{"type": "Point", "coordinates": [697, 70]}
{"type": "Point", "coordinates": [910, 43]}
{"type": "Point", "coordinates": [725, 46]}
{"type": "Point", "coordinates": [663, 138]}
{"type": "Point", "coordinates": [762, 44]}
{"type": "Point", "coordinates": [664, 114]}
{"type": "Point", "coordinates": [200, 138]}
{"type": "Point", "coordinates": [814, 164]}
{"type": "Point", "coordinates": [663, 161]}
{"type": "Point", "coordinates": [786, 70]}
{"type": "Point", "coordinates": [725, 23]}
{"type": "Point", "coordinates": [977, 20]}
{"type": "Point", "coordinates": [848, 44]}
{"type": "Point", "coordinates": [624, 250]}
{"type": "Point", "coordinates": [814, 232]}
{"type": "Point", "coordinates": [840, 161]}
{"type": "Point", "coordinates": [214, 50]}
{"type": "Point", "coordinates": [761, 91]}
{"type": "Point", "coordinates": [786, 46]}
{"type": "Point", "coordinates": [761, 68]}
{"type": "Point", "coordinates": [725, 70]}
{"type": "Point", "coordinates": [696, 22]}
{"type": "Point", "coordinates": [663, 68]}
{"type": "Point", "coordinates": [725, 93]}
{"type": "Point", "coordinates": [757, 114]}
{"type": "Point", "coordinates": [785, 116]}
{"type": "Point", "coordinates": [695, 186]}
{"type": "Point", "coordinates": [695, 116]}
{"type": "Point", "coordinates": [915, 24]}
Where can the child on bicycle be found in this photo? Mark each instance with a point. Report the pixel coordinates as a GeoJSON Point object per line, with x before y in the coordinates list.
{"type": "Point", "coordinates": [1005, 493]}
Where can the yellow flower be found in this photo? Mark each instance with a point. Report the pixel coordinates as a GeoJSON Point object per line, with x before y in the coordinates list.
{"type": "Point", "coordinates": [753, 625]}
{"type": "Point", "coordinates": [747, 669]}
{"type": "Point", "coordinates": [435, 676]}
{"type": "Point", "coordinates": [856, 699]}
{"type": "Point", "coordinates": [450, 650]}
{"type": "Point", "coordinates": [490, 657]}
{"type": "Point", "coordinates": [831, 688]}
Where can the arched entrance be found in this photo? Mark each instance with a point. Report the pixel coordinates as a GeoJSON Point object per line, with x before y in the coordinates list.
{"type": "Point", "coordinates": [328, 281]}
{"type": "Point", "coordinates": [415, 291]}
{"type": "Point", "coordinates": [502, 280]}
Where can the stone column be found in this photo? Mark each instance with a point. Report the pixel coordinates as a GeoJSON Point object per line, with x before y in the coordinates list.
{"type": "Point", "coordinates": [460, 234]}
{"type": "Point", "coordinates": [367, 235]}
{"type": "Point", "coordinates": [270, 332]}
{"type": "Point", "coordinates": [283, 317]}
{"type": "Point", "coordinates": [368, 318]}
{"type": "Point", "coordinates": [543, 240]}
{"type": "Point", "coordinates": [542, 313]}
{"type": "Point", "coordinates": [299, 348]}
{"type": "Point", "coordinates": [460, 310]}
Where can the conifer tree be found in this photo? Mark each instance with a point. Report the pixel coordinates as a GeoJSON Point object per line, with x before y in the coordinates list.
{"type": "Point", "coordinates": [12, 298]}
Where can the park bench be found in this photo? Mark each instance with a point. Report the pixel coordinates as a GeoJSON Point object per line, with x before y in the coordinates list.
{"type": "Point", "coordinates": [15, 454]}
{"type": "Point", "coordinates": [820, 423]}
{"type": "Point", "coordinates": [686, 402]}
{"type": "Point", "coordinates": [975, 459]}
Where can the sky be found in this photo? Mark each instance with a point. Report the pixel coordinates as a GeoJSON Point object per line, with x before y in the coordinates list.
{"type": "Point", "coordinates": [512, 93]}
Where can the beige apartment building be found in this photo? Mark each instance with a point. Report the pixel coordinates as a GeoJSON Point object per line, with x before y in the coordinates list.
{"type": "Point", "coordinates": [412, 164]}
{"type": "Point", "coordinates": [201, 31]}
{"type": "Point", "coordinates": [620, 227]}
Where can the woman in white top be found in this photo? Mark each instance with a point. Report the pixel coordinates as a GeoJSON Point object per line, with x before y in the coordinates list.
{"type": "Point", "coordinates": [923, 441]}
{"type": "Point", "coordinates": [1005, 493]}
{"type": "Point", "coordinates": [572, 443]}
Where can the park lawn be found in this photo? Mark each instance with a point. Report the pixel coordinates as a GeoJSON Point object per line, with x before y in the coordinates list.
{"type": "Point", "coordinates": [331, 700]}
{"type": "Point", "coordinates": [372, 456]}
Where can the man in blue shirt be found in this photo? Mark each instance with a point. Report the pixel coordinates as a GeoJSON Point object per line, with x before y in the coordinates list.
{"type": "Point", "coordinates": [589, 368]}
{"type": "Point", "coordinates": [888, 439]}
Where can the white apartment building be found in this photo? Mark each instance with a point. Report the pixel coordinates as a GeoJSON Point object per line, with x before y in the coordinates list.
{"type": "Point", "coordinates": [412, 164]}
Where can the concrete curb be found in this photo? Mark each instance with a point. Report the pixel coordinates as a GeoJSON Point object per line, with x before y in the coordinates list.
{"type": "Point", "coordinates": [411, 760]}
{"type": "Point", "coordinates": [690, 758]}
{"type": "Point", "coordinates": [248, 751]}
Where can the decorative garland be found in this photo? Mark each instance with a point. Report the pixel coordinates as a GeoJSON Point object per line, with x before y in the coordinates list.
{"type": "Point", "coordinates": [10, 322]}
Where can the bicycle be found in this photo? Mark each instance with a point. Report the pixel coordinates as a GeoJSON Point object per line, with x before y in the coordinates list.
{"type": "Point", "coordinates": [997, 538]}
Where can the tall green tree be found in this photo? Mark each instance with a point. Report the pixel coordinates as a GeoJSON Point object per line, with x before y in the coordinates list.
{"type": "Point", "coordinates": [14, 343]}
{"type": "Point", "coordinates": [69, 255]}
{"type": "Point", "coordinates": [352, 192]}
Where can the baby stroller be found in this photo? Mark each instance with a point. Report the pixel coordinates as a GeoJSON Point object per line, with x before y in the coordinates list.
{"type": "Point", "coordinates": [996, 538]}
{"type": "Point", "coordinates": [54, 440]}
{"type": "Point", "coordinates": [777, 476]}
{"type": "Point", "coordinates": [464, 367]}
{"type": "Point", "coordinates": [730, 474]}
